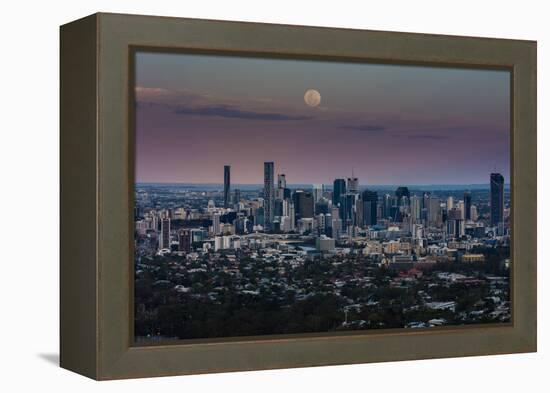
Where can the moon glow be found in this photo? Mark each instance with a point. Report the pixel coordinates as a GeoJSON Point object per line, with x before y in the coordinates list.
{"type": "Point", "coordinates": [312, 97]}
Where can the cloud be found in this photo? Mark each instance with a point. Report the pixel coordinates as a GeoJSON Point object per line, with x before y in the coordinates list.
{"type": "Point", "coordinates": [196, 103]}
{"type": "Point", "coordinates": [364, 127]}
{"type": "Point", "coordinates": [235, 113]}
{"type": "Point", "coordinates": [429, 137]}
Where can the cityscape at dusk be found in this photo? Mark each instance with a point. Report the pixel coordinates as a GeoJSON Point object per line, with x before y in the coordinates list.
{"type": "Point", "coordinates": [444, 125]}
{"type": "Point", "coordinates": [278, 196]}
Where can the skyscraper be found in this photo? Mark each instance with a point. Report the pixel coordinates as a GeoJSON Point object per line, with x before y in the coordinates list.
{"type": "Point", "coordinates": [303, 204]}
{"type": "Point", "coordinates": [281, 180]}
{"type": "Point", "coordinates": [497, 198]}
{"type": "Point", "coordinates": [226, 185]}
{"type": "Point", "coordinates": [416, 207]}
{"type": "Point", "coordinates": [164, 240]}
{"type": "Point", "coordinates": [467, 205]}
{"type": "Point", "coordinates": [269, 193]}
{"type": "Point", "coordinates": [347, 209]}
{"type": "Point", "coordinates": [216, 224]}
{"type": "Point", "coordinates": [184, 240]}
{"type": "Point", "coordinates": [403, 195]}
{"type": "Point", "coordinates": [317, 192]}
{"type": "Point", "coordinates": [450, 203]}
{"type": "Point", "coordinates": [370, 207]}
{"type": "Point", "coordinates": [353, 185]}
{"type": "Point", "coordinates": [338, 191]}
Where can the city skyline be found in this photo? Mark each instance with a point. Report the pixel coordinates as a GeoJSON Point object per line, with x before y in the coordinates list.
{"type": "Point", "coordinates": [278, 196]}
{"type": "Point", "coordinates": [228, 184]}
{"type": "Point", "coordinates": [391, 124]}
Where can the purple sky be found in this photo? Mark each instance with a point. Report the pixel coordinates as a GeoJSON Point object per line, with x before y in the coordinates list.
{"type": "Point", "coordinates": [390, 124]}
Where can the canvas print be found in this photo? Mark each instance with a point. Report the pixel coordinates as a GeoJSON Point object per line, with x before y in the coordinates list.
{"type": "Point", "coordinates": [279, 196]}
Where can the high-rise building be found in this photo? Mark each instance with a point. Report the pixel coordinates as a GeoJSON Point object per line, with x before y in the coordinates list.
{"type": "Point", "coordinates": [387, 204]}
{"type": "Point", "coordinates": [450, 203]}
{"type": "Point", "coordinates": [184, 240]}
{"type": "Point", "coordinates": [454, 214]}
{"type": "Point", "coordinates": [269, 193]}
{"type": "Point", "coordinates": [278, 208]}
{"type": "Point", "coordinates": [226, 185]}
{"type": "Point", "coordinates": [322, 206]}
{"type": "Point", "coordinates": [347, 210]}
{"type": "Point", "coordinates": [370, 207]}
{"type": "Point", "coordinates": [303, 204]}
{"type": "Point", "coordinates": [338, 191]}
{"type": "Point", "coordinates": [497, 198]}
{"type": "Point", "coordinates": [468, 205]}
{"type": "Point", "coordinates": [281, 180]}
{"type": "Point", "coordinates": [473, 213]}
{"type": "Point", "coordinates": [317, 192]}
{"type": "Point", "coordinates": [460, 206]}
{"type": "Point", "coordinates": [353, 185]}
{"type": "Point", "coordinates": [416, 207]}
{"type": "Point", "coordinates": [164, 240]}
{"type": "Point", "coordinates": [292, 215]}
{"type": "Point", "coordinates": [403, 195]}
{"type": "Point", "coordinates": [259, 217]}
{"type": "Point", "coordinates": [433, 210]}
{"type": "Point", "coordinates": [216, 224]}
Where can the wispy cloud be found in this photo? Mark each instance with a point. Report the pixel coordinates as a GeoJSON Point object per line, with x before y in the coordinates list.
{"type": "Point", "coordinates": [364, 127]}
{"type": "Point", "coordinates": [429, 137]}
{"type": "Point", "coordinates": [235, 113]}
{"type": "Point", "coordinates": [187, 102]}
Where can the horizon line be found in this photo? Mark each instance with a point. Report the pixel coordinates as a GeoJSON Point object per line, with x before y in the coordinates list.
{"type": "Point", "coordinates": [301, 184]}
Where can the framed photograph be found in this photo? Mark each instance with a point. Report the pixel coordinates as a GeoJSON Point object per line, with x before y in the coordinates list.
{"type": "Point", "coordinates": [241, 196]}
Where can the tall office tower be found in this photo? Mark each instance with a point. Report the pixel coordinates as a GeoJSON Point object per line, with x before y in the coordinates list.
{"type": "Point", "coordinates": [269, 193]}
{"type": "Point", "coordinates": [226, 185]}
{"type": "Point", "coordinates": [434, 207]}
{"type": "Point", "coordinates": [303, 204]}
{"type": "Point", "coordinates": [416, 207]}
{"type": "Point", "coordinates": [403, 195]}
{"type": "Point", "coordinates": [473, 213]}
{"type": "Point", "coordinates": [353, 185]}
{"type": "Point", "coordinates": [339, 189]}
{"type": "Point", "coordinates": [164, 240]}
{"type": "Point", "coordinates": [370, 207]}
{"type": "Point", "coordinates": [450, 203]}
{"type": "Point", "coordinates": [497, 198]}
{"type": "Point", "coordinates": [386, 206]}
{"type": "Point", "coordinates": [317, 192]}
{"type": "Point", "coordinates": [425, 200]}
{"type": "Point", "coordinates": [259, 217]}
{"type": "Point", "coordinates": [320, 224]}
{"type": "Point", "coordinates": [468, 205]}
{"type": "Point", "coordinates": [281, 180]}
{"type": "Point", "coordinates": [336, 222]}
{"type": "Point", "coordinates": [454, 214]}
{"type": "Point", "coordinates": [216, 224]}
{"type": "Point", "coordinates": [237, 196]}
{"type": "Point", "coordinates": [322, 206]}
{"type": "Point", "coordinates": [455, 228]}
{"type": "Point", "coordinates": [348, 209]}
{"type": "Point", "coordinates": [460, 206]}
{"type": "Point", "coordinates": [278, 208]}
{"type": "Point", "coordinates": [285, 207]}
{"type": "Point", "coordinates": [184, 240]}
{"type": "Point", "coordinates": [458, 217]}
{"type": "Point", "coordinates": [292, 215]}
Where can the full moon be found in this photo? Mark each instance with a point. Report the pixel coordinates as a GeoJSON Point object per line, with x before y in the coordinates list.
{"type": "Point", "coordinates": [312, 97]}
